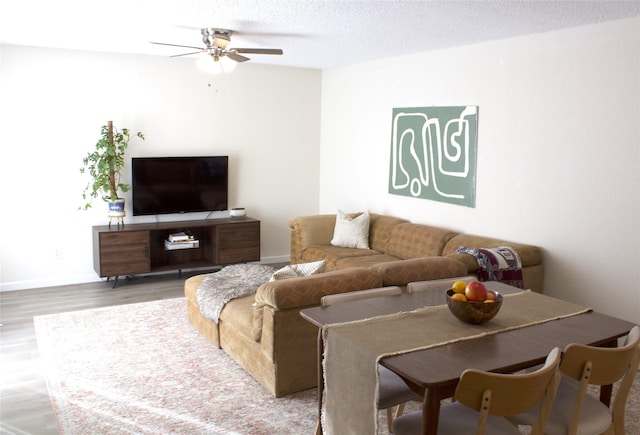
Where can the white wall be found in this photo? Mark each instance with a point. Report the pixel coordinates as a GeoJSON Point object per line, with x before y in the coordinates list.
{"type": "Point", "coordinates": [266, 118]}
{"type": "Point", "coordinates": [558, 147]}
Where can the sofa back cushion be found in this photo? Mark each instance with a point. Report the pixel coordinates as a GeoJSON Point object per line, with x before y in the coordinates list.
{"type": "Point", "coordinates": [409, 240]}
{"type": "Point", "coordinates": [310, 230]}
{"type": "Point", "coordinates": [403, 272]}
{"type": "Point", "coordinates": [380, 228]}
{"type": "Point", "coordinates": [318, 230]}
{"type": "Point", "coordinates": [308, 291]}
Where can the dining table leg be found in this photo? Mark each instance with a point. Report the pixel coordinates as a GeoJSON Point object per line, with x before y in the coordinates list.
{"type": "Point", "coordinates": [430, 412]}
{"type": "Point", "coordinates": [320, 351]}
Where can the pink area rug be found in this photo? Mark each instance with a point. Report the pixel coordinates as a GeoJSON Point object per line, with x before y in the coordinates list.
{"type": "Point", "coordinates": [143, 369]}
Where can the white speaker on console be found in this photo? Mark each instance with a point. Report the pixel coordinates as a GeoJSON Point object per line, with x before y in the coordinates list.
{"type": "Point", "coordinates": [237, 212]}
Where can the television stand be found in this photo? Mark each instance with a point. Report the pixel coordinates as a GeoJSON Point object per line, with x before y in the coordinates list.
{"type": "Point", "coordinates": [140, 248]}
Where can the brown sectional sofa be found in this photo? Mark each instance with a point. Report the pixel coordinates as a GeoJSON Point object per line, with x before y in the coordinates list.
{"type": "Point", "coordinates": [394, 239]}
{"type": "Point", "coordinates": [265, 333]}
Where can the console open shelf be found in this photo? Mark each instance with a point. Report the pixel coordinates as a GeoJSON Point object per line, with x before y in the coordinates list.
{"type": "Point", "coordinates": [139, 248]}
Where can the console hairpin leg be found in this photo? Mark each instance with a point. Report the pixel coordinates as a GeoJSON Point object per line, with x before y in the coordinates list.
{"type": "Point", "coordinates": [115, 281]}
{"type": "Point", "coordinates": [116, 277]}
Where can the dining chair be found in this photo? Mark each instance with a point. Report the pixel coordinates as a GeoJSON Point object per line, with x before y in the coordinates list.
{"type": "Point", "coordinates": [392, 390]}
{"type": "Point", "coordinates": [483, 399]}
{"type": "Point", "coordinates": [575, 411]}
{"type": "Point", "coordinates": [359, 294]}
{"type": "Point", "coordinates": [437, 284]}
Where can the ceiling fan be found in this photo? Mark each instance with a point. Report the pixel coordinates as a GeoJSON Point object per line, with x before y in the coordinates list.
{"type": "Point", "coordinates": [216, 45]}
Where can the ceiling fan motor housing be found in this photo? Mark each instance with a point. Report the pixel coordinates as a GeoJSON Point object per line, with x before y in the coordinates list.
{"type": "Point", "coordinates": [213, 37]}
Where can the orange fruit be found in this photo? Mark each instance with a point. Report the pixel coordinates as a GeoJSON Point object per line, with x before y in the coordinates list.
{"type": "Point", "coordinates": [459, 296]}
{"type": "Point", "coordinates": [459, 287]}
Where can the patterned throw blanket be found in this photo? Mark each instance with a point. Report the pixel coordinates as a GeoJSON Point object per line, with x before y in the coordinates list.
{"type": "Point", "coordinates": [497, 264]}
{"type": "Point", "coordinates": [231, 282]}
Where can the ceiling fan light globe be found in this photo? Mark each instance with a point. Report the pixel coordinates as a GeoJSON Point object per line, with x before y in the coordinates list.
{"type": "Point", "coordinates": [209, 65]}
{"type": "Point", "coordinates": [214, 64]}
{"type": "Point", "coordinates": [227, 64]}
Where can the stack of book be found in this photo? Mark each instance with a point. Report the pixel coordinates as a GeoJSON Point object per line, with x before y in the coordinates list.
{"type": "Point", "coordinates": [181, 240]}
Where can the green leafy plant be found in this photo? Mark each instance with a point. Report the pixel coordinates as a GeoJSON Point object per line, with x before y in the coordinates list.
{"type": "Point", "coordinates": [104, 165]}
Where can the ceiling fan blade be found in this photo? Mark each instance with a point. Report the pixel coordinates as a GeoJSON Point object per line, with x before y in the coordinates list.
{"type": "Point", "coordinates": [235, 56]}
{"type": "Point", "coordinates": [258, 50]}
{"type": "Point", "coordinates": [181, 46]}
{"type": "Point", "coordinates": [187, 54]}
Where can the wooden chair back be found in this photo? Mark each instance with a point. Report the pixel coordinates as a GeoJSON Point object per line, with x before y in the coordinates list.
{"type": "Point", "coordinates": [591, 365]}
{"type": "Point", "coordinates": [437, 284]}
{"type": "Point", "coordinates": [510, 394]}
{"type": "Point", "coordinates": [360, 294]}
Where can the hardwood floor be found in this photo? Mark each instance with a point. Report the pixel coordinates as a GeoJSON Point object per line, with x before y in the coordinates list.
{"type": "Point", "coordinates": [25, 407]}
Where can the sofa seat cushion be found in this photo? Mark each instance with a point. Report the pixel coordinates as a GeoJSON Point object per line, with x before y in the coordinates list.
{"type": "Point", "coordinates": [365, 261]}
{"type": "Point", "coordinates": [208, 328]}
{"type": "Point", "coordinates": [468, 260]}
{"type": "Point", "coordinates": [231, 282]}
{"type": "Point", "coordinates": [417, 240]}
{"type": "Point", "coordinates": [332, 254]}
{"type": "Point", "coordinates": [402, 272]}
{"type": "Point", "coordinates": [239, 313]}
{"type": "Point", "coordinates": [191, 286]}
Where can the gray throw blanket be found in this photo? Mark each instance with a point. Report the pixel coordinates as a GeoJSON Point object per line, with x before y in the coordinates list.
{"type": "Point", "coordinates": [231, 282]}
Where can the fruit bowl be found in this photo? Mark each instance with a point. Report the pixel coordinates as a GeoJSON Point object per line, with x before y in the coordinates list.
{"type": "Point", "coordinates": [474, 312]}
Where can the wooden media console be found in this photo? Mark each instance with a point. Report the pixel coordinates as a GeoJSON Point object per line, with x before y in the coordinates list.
{"type": "Point", "coordinates": [131, 249]}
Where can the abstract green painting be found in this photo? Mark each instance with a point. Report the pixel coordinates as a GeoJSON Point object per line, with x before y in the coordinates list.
{"type": "Point", "coordinates": [434, 153]}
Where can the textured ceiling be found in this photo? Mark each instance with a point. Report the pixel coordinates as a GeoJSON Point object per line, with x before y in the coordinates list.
{"type": "Point", "coordinates": [312, 33]}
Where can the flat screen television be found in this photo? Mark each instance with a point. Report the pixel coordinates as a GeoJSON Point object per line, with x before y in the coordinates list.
{"type": "Point", "coordinates": [163, 185]}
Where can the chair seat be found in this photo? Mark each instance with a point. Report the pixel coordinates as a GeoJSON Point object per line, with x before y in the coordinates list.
{"type": "Point", "coordinates": [483, 400]}
{"type": "Point", "coordinates": [393, 390]}
{"type": "Point", "coordinates": [577, 411]}
{"type": "Point", "coordinates": [455, 419]}
{"type": "Point", "coordinates": [595, 417]}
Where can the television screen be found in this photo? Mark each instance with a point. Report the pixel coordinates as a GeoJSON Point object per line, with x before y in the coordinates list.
{"type": "Point", "coordinates": [179, 184]}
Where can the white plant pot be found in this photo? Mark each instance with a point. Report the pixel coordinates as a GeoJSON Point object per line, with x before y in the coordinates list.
{"type": "Point", "coordinates": [237, 212]}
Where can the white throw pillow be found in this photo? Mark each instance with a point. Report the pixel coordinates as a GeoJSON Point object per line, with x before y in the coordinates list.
{"type": "Point", "coordinates": [299, 270]}
{"type": "Point", "coordinates": [351, 232]}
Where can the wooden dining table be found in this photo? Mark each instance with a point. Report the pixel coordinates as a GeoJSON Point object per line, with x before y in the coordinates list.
{"type": "Point", "coordinates": [433, 373]}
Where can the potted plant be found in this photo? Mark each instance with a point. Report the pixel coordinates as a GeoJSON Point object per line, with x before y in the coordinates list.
{"type": "Point", "coordinates": [104, 165]}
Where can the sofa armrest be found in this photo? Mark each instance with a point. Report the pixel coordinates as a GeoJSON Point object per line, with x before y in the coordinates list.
{"type": "Point", "coordinates": [529, 255]}
{"type": "Point", "coordinates": [308, 291]}
{"type": "Point", "coordinates": [310, 230]}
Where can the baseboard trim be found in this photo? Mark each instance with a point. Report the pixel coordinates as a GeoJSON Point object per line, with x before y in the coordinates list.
{"type": "Point", "coordinates": [81, 279]}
